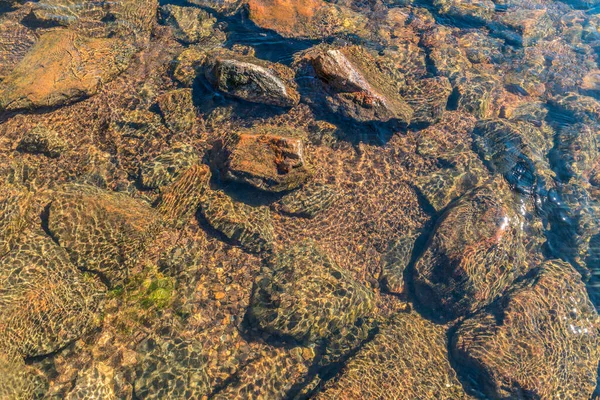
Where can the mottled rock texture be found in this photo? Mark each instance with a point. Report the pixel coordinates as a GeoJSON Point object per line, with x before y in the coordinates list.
{"type": "Point", "coordinates": [305, 295]}
{"type": "Point", "coordinates": [474, 254]}
{"type": "Point", "coordinates": [539, 340]}
{"type": "Point", "coordinates": [102, 231]}
{"type": "Point", "coordinates": [62, 67]}
{"type": "Point", "coordinates": [406, 359]}
{"type": "Point", "coordinates": [266, 161]}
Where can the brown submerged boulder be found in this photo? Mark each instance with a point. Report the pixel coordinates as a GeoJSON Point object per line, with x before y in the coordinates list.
{"type": "Point", "coordinates": [407, 359]}
{"type": "Point", "coordinates": [474, 254]}
{"type": "Point", "coordinates": [63, 67]}
{"type": "Point", "coordinates": [45, 302]}
{"type": "Point", "coordinates": [541, 340]}
{"type": "Point", "coordinates": [250, 227]}
{"type": "Point", "coordinates": [102, 231]}
{"type": "Point", "coordinates": [355, 84]}
{"type": "Point", "coordinates": [307, 296]}
{"type": "Point", "coordinates": [266, 161]}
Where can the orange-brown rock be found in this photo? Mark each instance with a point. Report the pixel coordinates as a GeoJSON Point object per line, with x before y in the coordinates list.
{"type": "Point", "coordinates": [309, 18]}
{"type": "Point", "coordinates": [352, 82]}
{"type": "Point", "coordinates": [63, 67]}
{"type": "Point", "coordinates": [266, 161]}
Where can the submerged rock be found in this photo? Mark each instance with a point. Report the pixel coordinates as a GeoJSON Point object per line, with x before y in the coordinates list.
{"type": "Point", "coordinates": [14, 204]}
{"type": "Point", "coordinates": [540, 340]}
{"type": "Point", "coordinates": [94, 382]}
{"type": "Point", "coordinates": [480, 11]}
{"type": "Point", "coordinates": [475, 253]}
{"type": "Point", "coordinates": [521, 26]}
{"type": "Point", "coordinates": [428, 98]}
{"type": "Point", "coordinates": [178, 110]}
{"type": "Point", "coordinates": [270, 376]}
{"type": "Point", "coordinates": [45, 302]}
{"type": "Point", "coordinates": [18, 381]}
{"type": "Point", "coordinates": [407, 359]}
{"type": "Point", "coordinates": [250, 227]}
{"type": "Point", "coordinates": [251, 79]}
{"type": "Point", "coordinates": [479, 95]}
{"type": "Point", "coordinates": [395, 261]}
{"type": "Point", "coordinates": [266, 161]}
{"type": "Point", "coordinates": [448, 143]}
{"type": "Point", "coordinates": [576, 107]}
{"type": "Point", "coordinates": [98, 18]}
{"type": "Point", "coordinates": [353, 83]}
{"type": "Point", "coordinates": [102, 231]}
{"type": "Point", "coordinates": [577, 149]}
{"type": "Point", "coordinates": [309, 201]}
{"type": "Point", "coordinates": [441, 187]}
{"type": "Point", "coordinates": [42, 140]}
{"type": "Point", "coordinates": [191, 25]}
{"type": "Point", "coordinates": [305, 295]}
{"type": "Point", "coordinates": [63, 67]}
{"type": "Point", "coordinates": [516, 150]}
{"type": "Point", "coordinates": [163, 169]}
{"type": "Point", "coordinates": [15, 42]}
{"type": "Point", "coordinates": [180, 200]}
{"type": "Point", "coordinates": [187, 65]}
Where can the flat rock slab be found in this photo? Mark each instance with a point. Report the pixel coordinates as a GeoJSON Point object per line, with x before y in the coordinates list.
{"type": "Point", "coordinates": [102, 231]}
{"type": "Point", "coordinates": [63, 67]}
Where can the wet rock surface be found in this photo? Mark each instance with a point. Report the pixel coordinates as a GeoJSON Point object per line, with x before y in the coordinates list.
{"type": "Point", "coordinates": [542, 319]}
{"type": "Point", "coordinates": [61, 68]}
{"type": "Point", "coordinates": [281, 199]}
{"type": "Point", "coordinates": [251, 79]}
{"type": "Point", "coordinates": [266, 161]}
{"type": "Point", "coordinates": [474, 254]}
{"type": "Point", "coordinates": [306, 296]}
{"type": "Point", "coordinates": [397, 363]}
{"type": "Point", "coordinates": [357, 86]}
